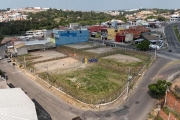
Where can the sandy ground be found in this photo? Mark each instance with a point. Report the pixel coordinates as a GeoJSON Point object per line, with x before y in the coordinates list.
{"type": "Point", "coordinates": [48, 54]}
{"type": "Point", "coordinates": [80, 45]}
{"type": "Point", "coordinates": [123, 58]}
{"type": "Point", "coordinates": [100, 50]}
{"type": "Point", "coordinates": [60, 65]}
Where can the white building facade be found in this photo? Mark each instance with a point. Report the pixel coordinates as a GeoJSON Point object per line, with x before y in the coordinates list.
{"type": "Point", "coordinates": [174, 18]}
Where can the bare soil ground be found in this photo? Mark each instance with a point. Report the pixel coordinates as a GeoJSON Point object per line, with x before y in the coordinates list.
{"type": "Point", "coordinates": [81, 45]}
{"type": "Point", "coordinates": [176, 82]}
{"type": "Point", "coordinates": [48, 54]}
{"type": "Point", "coordinates": [60, 65]}
{"type": "Point", "coordinates": [101, 50]}
{"type": "Point", "coordinates": [6, 39]}
{"type": "Point", "coordinates": [123, 58]}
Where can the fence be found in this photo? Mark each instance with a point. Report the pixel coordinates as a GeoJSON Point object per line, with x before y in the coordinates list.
{"type": "Point", "coordinates": [108, 98]}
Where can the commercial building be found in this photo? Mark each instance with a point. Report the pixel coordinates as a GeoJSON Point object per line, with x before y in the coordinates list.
{"type": "Point", "coordinates": [65, 37]}
{"type": "Point", "coordinates": [112, 33]}
{"type": "Point", "coordinates": [174, 18]}
{"type": "Point", "coordinates": [127, 35]}
{"type": "Point", "coordinates": [21, 47]}
{"type": "Point", "coordinates": [16, 105]}
{"type": "Point", "coordinates": [74, 25]}
{"type": "Point", "coordinates": [124, 37]}
{"type": "Point", "coordinates": [96, 28]}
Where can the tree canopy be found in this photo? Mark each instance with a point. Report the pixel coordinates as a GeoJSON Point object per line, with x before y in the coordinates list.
{"type": "Point", "coordinates": [159, 89]}
{"type": "Point", "coordinates": [54, 18]}
{"type": "Point", "coordinates": [144, 45]}
{"type": "Point", "coordinates": [159, 18]}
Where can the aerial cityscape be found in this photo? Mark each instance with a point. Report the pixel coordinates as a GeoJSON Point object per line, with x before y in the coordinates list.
{"type": "Point", "coordinates": [96, 60]}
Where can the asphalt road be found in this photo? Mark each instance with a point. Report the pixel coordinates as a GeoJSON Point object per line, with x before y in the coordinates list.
{"type": "Point", "coordinates": [136, 107]}
{"type": "Point", "coordinates": [171, 38]}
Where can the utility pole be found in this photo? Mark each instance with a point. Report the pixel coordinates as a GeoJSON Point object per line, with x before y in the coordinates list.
{"type": "Point", "coordinates": [25, 61]}
{"type": "Point", "coordinates": [155, 52]}
{"type": "Point", "coordinates": [47, 74]}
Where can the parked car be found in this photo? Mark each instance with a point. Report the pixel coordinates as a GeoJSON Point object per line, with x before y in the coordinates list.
{"type": "Point", "coordinates": [1, 57]}
{"type": "Point", "coordinates": [6, 56]}
{"type": "Point", "coordinates": [170, 50]}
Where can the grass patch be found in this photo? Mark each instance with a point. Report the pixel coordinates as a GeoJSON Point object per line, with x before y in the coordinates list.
{"type": "Point", "coordinates": [159, 118]}
{"type": "Point", "coordinates": [95, 82]}
{"type": "Point", "coordinates": [177, 32]}
{"type": "Point", "coordinates": [23, 57]}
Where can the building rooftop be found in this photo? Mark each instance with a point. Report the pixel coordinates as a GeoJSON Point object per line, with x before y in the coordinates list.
{"type": "Point", "coordinates": [16, 105]}
{"type": "Point", "coordinates": [36, 42]}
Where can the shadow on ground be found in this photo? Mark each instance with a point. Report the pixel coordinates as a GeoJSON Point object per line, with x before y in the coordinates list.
{"type": "Point", "coordinates": [11, 85]}
{"type": "Point", "coordinates": [41, 113]}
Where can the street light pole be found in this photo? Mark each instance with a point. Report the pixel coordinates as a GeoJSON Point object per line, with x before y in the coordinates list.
{"type": "Point", "coordinates": [25, 61]}
{"type": "Point", "coordinates": [155, 52]}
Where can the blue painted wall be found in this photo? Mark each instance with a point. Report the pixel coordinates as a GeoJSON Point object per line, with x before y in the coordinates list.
{"type": "Point", "coordinates": [70, 36]}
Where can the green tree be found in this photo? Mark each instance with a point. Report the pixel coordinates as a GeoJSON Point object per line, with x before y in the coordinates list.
{"type": "Point", "coordinates": [159, 89]}
{"type": "Point", "coordinates": [144, 45]}
{"type": "Point", "coordinates": [151, 17]}
{"type": "Point", "coordinates": [161, 18]}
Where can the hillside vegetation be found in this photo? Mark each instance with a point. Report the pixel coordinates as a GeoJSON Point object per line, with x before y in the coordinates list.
{"type": "Point", "coordinates": [53, 18]}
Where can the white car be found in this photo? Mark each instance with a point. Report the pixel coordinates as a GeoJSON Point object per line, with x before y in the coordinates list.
{"type": "Point", "coordinates": [1, 58]}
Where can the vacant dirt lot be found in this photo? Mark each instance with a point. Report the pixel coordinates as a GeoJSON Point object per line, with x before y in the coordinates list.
{"type": "Point", "coordinates": [61, 65]}
{"type": "Point", "coordinates": [100, 50]}
{"type": "Point", "coordinates": [123, 58]}
{"type": "Point", "coordinates": [48, 54]}
{"type": "Point", "coordinates": [81, 45]}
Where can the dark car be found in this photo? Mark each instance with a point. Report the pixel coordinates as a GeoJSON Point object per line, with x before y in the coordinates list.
{"type": "Point", "coordinates": [6, 56]}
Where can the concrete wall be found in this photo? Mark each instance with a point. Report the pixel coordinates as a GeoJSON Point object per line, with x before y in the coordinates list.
{"type": "Point", "coordinates": [70, 37]}
{"type": "Point", "coordinates": [112, 33]}
{"type": "Point", "coordinates": [129, 37]}
{"type": "Point", "coordinates": [21, 51]}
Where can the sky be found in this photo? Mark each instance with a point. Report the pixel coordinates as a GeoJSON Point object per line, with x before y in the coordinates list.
{"type": "Point", "coordinates": [94, 5]}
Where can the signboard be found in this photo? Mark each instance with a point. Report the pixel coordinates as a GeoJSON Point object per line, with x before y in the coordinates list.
{"type": "Point", "coordinates": [92, 60]}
